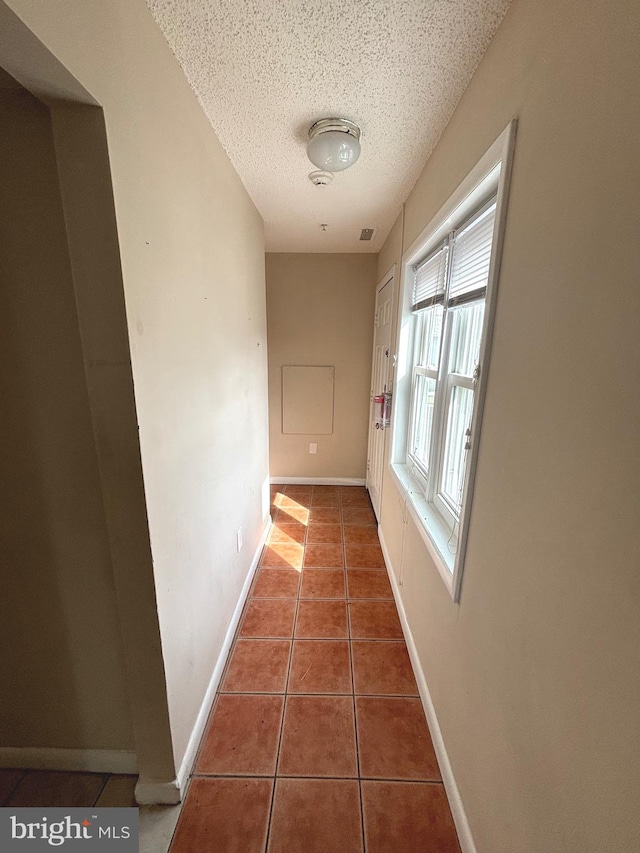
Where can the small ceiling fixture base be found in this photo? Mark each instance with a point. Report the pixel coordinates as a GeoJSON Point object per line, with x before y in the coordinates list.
{"type": "Point", "coordinates": [321, 179]}
{"type": "Point", "coordinates": [334, 144]}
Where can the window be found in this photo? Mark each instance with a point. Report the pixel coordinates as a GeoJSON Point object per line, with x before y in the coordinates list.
{"type": "Point", "coordinates": [448, 304]}
{"type": "Point", "coordinates": [449, 298]}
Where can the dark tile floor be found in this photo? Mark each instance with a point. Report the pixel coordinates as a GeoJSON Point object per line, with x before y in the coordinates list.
{"type": "Point", "coordinates": [317, 741]}
{"type": "Point", "coordinates": [34, 788]}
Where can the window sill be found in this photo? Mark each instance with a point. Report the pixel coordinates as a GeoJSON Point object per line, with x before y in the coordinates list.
{"type": "Point", "coordinates": [434, 532]}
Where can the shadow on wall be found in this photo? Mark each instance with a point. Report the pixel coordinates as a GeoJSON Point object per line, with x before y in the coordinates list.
{"type": "Point", "coordinates": [51, 531]}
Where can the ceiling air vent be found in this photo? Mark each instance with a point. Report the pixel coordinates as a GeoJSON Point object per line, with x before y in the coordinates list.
{"type": "Point", "coordinates": [366, 233]}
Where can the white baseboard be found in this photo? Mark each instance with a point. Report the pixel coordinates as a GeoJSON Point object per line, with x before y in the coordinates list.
{"type": "Point", "coordinates": [465, 837]}
{"type": "Point", "coordinates": [148, 793]}
{"type": "Point", "coordinates": [83, 760]}
{"type": "Point", "coordinates": [318, 481]}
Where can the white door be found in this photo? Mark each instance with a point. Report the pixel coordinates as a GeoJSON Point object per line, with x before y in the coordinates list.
{"type": "Point", "coordinates": [380, 374]}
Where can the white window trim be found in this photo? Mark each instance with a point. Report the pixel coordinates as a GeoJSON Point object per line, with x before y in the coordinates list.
{"type": "Point", "coordinates": [490, 176]}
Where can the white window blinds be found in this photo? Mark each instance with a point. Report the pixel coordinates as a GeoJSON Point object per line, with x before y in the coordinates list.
{"type": "Point", "coordinates": [467, 253]}
{"type": "Point", "coordinates": [471, 257]}
{"type": "Point", "coordinates": [430, 279]}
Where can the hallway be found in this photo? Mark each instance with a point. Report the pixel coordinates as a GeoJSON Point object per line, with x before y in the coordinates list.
{"type": "Point", "coordinates": [317, 740]}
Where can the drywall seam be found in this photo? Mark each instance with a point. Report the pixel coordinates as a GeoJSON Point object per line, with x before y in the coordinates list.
{"type": "Point", "coordinates": [82, 760]}
{"type": "Point", "coordinates": [318, 481]}
{"type": "Point", "coordinates": [467, 844]}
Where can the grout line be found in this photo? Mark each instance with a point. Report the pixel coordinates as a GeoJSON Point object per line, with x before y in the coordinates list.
{"type": "Point", "coordinates": [399, 780]}
{"type": "Point", "coordinates": [326, 693]}
{"type": "Point", "coordinates": [233, 776]}
{"type": "Point", "coordinates": [286, 692]}
{"type": "Point", "coordinates": [104, 785]}
{"type": "Point", "coordinates": [355, 726]}
{"type": "Point", "coordinates": [366, 639]}
{"type": "Point", "coordinates": [15, 788]}
{"type": "Point", "coordinates": [353, 685]}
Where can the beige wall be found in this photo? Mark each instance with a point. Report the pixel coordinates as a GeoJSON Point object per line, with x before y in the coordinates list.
{"type": "Point", "coordinates": [391, 253]}
{"type": "Point", "coordinates": [534, 675]}
{"type": "Point", "coordinates": [61, 667]}
{"type": "Point", "coordinates": [193, 269]}
{"type": "Point", "coordinates": [320, 312]}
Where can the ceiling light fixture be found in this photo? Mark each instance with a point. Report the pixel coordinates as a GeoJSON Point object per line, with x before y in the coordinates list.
{"type": "Point", "coordinates": [334, 144]}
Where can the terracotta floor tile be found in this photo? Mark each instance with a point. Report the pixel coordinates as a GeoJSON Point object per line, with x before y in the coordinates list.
{"type": "Point", "coordinates": [327, 490]}
{"type": "Point", "coordinates": [316, 816]}
{"type": "Point", "coordinates": [324, 556]}
{"type": "Point", "coordinates": [276, 583]}
{"type": "Point", "coordinates": [394, 741]}
{"type": "Point", "coordinates": [43, 788]}
{"type": "Point", "coordinates": [324, 533]}
{"type": "Point", "coordinates": [298, 489]}
{"type": "Point", "coordinates": [355, 496]}
{"type": "Point", "coordinates": [242, 736]}
{"type": "Point", "coordinates": [296, 503]}
{"type": "Point", "coordinates": [282, 556]}
{"type": "Point", "coordinates": [322, 620]}
{"type": "Point", "coordinates": [364, 557]}
{"type": "Point", "coordinates": [374, 620]}
{"type": "Point", "coordinates": [403, 817]}
{"type": "Point", "coordinates": [324, 499]}
{"type": "Point", "coordinates": [360, 534]}
{"type": "Point", "coordinates": [320, 666]}
{"type": "Point", "coordinates": [358, 515]}
{"type": "Point", "coordinates": [291, 501]}
{"type": "Point", "coordinates": [300, 500]}
{"type": "Point", "coordinates": [230, 815]}
{"type": "Point", "coordinates": [381, 668]}
{"type": "Point", "coordinates": [357, 502]}
{"type": "Point", "coordinates": [290, 515]}
{"type": "Point", "coordinates": [118, 793]}
{"type": "Point", "coordinates": [324, 515]}
{"type": "Point", "coordinates": [363, 583]}
{"type": "Point", "coordinates": [323, 583]}
{"type": "Point", "coordinates": [8, 782]}
{"type": "Point", "coordinates": [269, 618]}
{"type": "Point", "coordinates": [318, 737]}
{"type": "Point", "coordinates": [287, 705]}
{"type": "Point", "coordinates": [257, 666]}
{"type": "Point", "coordinates": [288, 533]}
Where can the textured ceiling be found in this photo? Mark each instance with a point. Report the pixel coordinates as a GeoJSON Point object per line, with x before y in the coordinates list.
{"type": "Point", "coordinates": [265, 70]}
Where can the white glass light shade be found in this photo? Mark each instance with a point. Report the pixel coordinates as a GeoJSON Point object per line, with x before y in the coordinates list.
{"type": "Point", "coordinates": [336, 147]}
{"type": "Point", "coordinates": [333, 150]}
